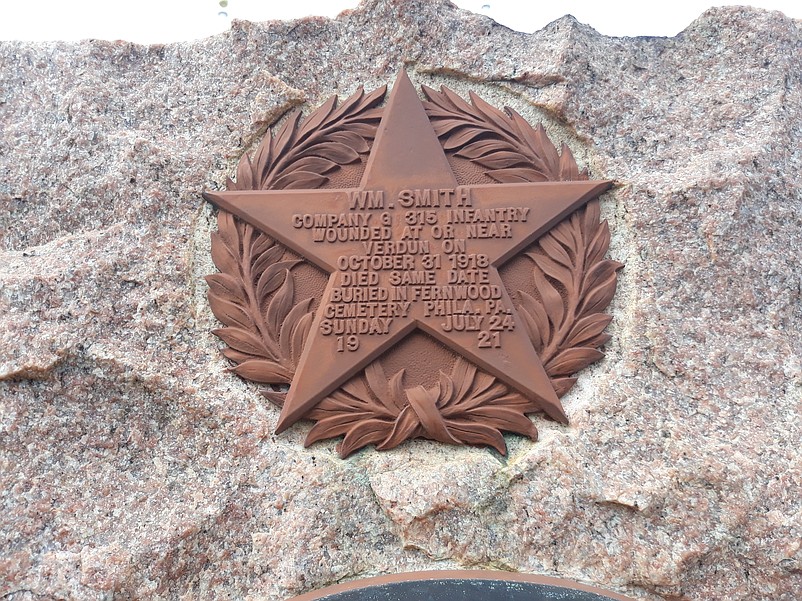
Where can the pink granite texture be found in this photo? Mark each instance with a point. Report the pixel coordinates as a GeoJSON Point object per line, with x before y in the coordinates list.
{"type": "Point", "coordinates": [133, 466]}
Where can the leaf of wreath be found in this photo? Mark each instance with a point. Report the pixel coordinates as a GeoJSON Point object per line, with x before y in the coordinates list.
{"type": "Point", "coordinates": [478, 132]}
{"type": "Point", "coordinates": [476, 407]}
{"type": "Point", "coordinates": [562, 385]}
{"type": "Point", "coordinates": [234, 294]}
{"type": "Point", "coordinates": [253, 295]}
{"type": "Point", "coordinates": [302, 153]}
{"type": "Point", "coordinates": [573, 281]}
{"type": "Point", "coordinates": [364, 410]}
{"type": "Point", "coordinates": [574, 284]}
{"type": "Point", "coordinates": [272, 276]}
{"type": "Point", "coordinates": [406, 427]}
{"type": "Point", "coordinates": [290, 329]}
{"type": "Point", "coordinates": [263, 371]}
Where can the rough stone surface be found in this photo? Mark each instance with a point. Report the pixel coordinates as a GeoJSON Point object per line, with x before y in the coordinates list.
{"type": "Point", "coordinates": [132, 465]}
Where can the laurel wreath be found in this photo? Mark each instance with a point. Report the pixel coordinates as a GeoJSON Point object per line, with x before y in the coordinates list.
{"type": "Point", "coordinates": [266, 327]}
{"type": "Point", "coordinates": [253, 295]}
{"type": "Point", "coordinates": [565, 328]}
{"type": "Point", "coordinates": [466, 406]}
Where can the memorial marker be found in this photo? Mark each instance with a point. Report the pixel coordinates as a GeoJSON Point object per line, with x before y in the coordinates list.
{"type": "Point", "coordinates": [449, 193]}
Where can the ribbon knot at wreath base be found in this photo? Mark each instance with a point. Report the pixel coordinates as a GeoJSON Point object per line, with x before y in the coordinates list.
{"type": "Point", "coordinates": [444, 242]}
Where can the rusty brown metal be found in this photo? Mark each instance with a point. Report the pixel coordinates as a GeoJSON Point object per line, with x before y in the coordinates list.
{"type": "Point", "coordinates": [459, 274]}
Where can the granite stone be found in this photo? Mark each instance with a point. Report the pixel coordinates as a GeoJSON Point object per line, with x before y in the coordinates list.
{"type": "Point", "coordinates": [134, 466]}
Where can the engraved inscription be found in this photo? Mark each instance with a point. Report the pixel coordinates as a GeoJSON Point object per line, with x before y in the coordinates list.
{"type": "Point", "coordinates": [420, 255]}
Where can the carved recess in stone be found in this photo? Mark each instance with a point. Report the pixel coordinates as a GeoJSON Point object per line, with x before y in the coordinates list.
{"type": "Point", "coordinates": [427, 269]}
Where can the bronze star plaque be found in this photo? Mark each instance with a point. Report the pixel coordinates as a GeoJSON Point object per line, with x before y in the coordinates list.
{"type": "Point", "coordinates": [426, 269]}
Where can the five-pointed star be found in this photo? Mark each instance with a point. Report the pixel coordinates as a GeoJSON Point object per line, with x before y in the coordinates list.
{"type": "Point", "coordinates": [407, 156]}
